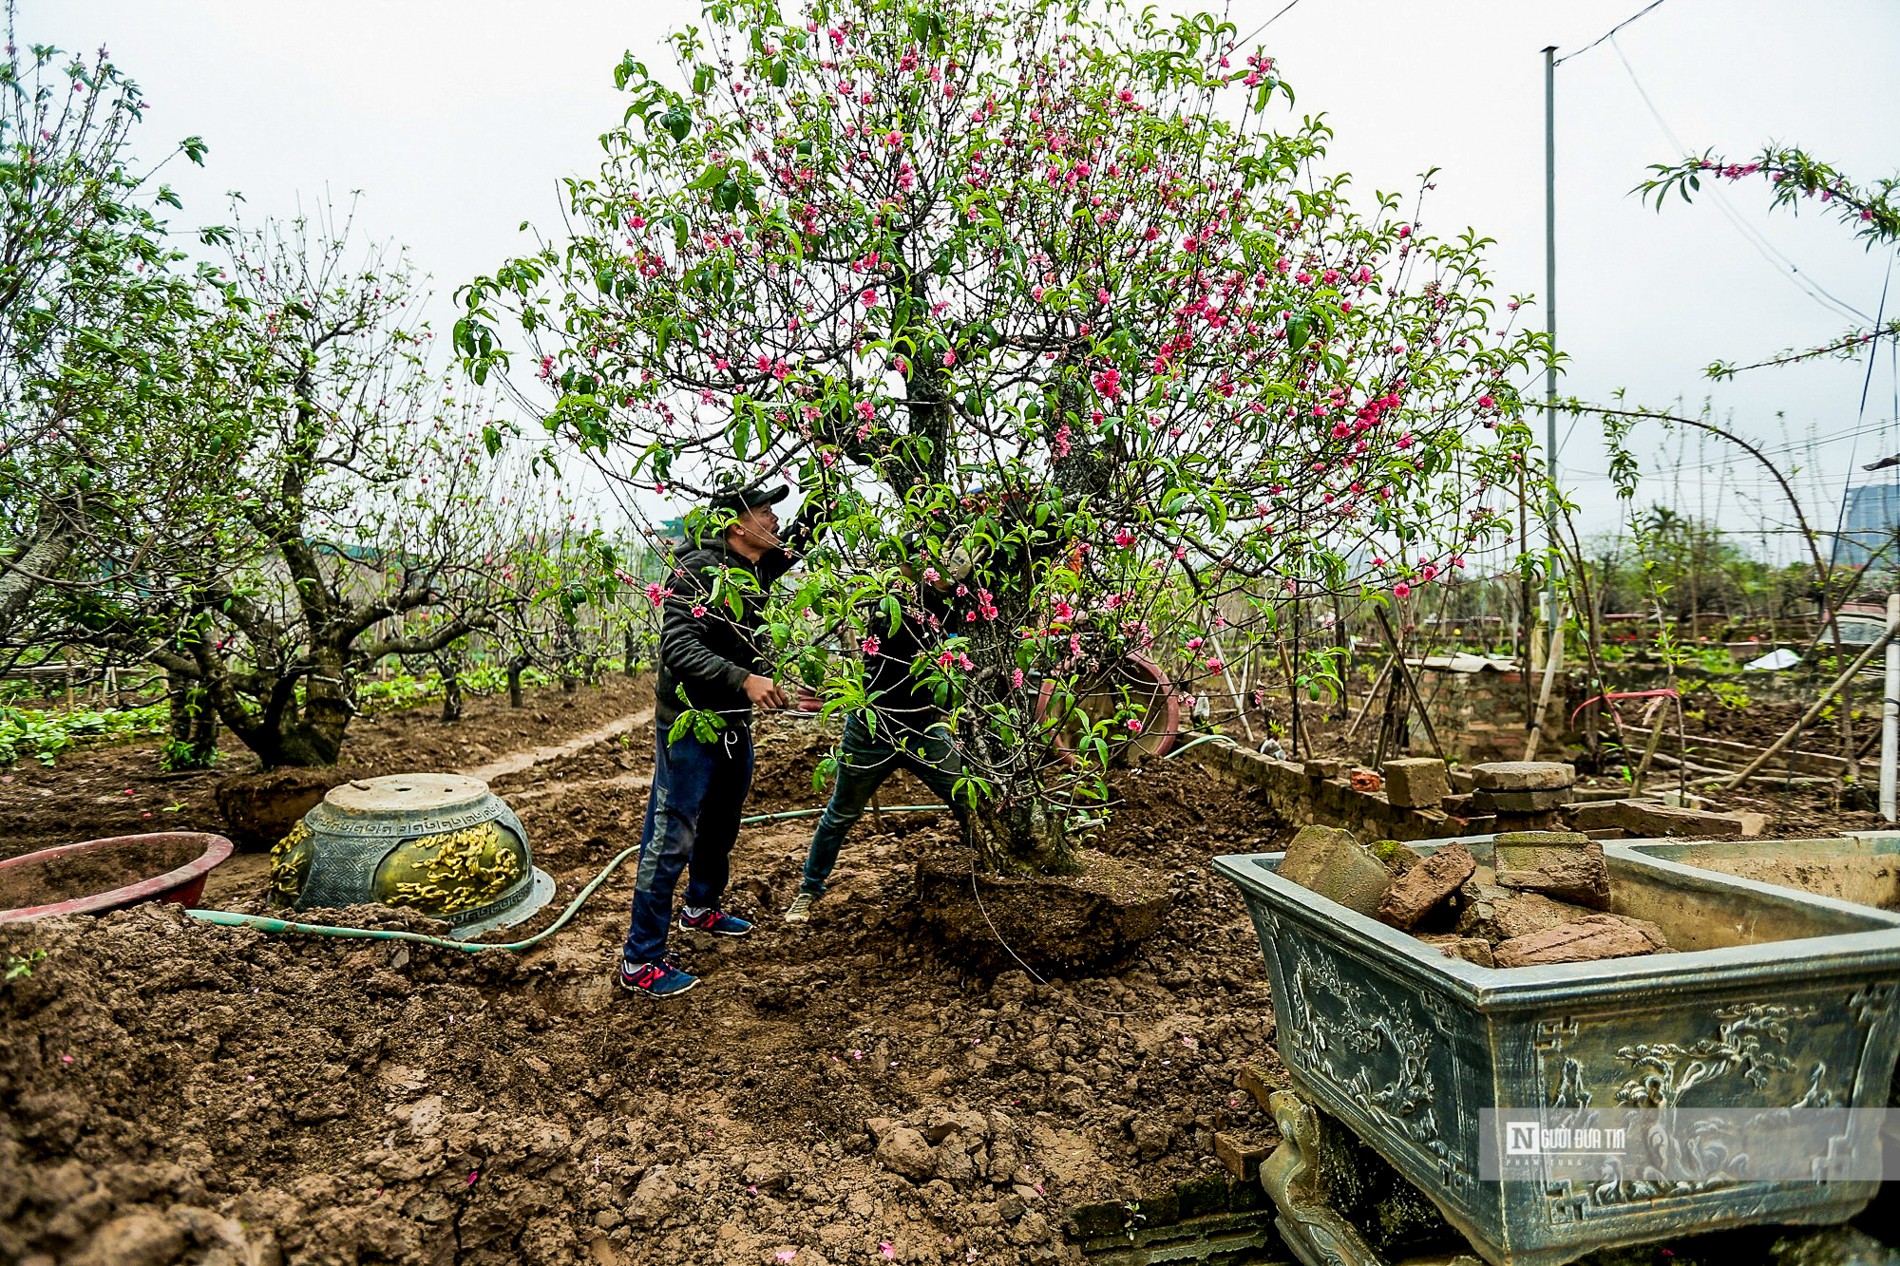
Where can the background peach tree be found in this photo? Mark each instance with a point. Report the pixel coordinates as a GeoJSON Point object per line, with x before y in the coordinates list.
{"type": "Point", "coordinates": [1063, 289]}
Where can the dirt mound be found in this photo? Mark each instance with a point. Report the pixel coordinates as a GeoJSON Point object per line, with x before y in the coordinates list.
{"type": "Point", "coordinates": [259, 809]}
{"type": "Point", "coordinates": [1061, 924]}
{"type": "Point", "coordinates": [172, 1091]}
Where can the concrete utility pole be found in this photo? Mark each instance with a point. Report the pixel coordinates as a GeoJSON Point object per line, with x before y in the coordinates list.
{"type": "Point", "coordinates": [1550, 323]}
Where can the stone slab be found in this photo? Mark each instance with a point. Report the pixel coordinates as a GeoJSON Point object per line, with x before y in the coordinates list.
{"type": "Point", "coordinates": [1499, 914]}
{"type": "Point", "coordinates": [1588, 940]}
{"type": "Point", "coordinates": [1523, 801]}
{"type": "Point", "coordinates": [1523, 775]}
{"type": "Point", "coordinates": [1253, 1079]}
{"type": "Point", "coordinates": [1560, 864]}
{"type": "Point", "coordinates": [1398, 858]}
{"type": "Point", "coordinates": [1241, 1156]}
{"type": "Point", "coordinates": [1645, 819]}
{"type": "Point", "coordinates": [1473, 949]}
{"type": "Point", "coordinates": [1426, 886]}
{"type": "Point", "coordinates": [1595, 815]}
{"type": "Point", "coordinates": [1333, 864]}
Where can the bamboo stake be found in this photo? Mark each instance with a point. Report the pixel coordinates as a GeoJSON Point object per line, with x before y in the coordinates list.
{"type": "Point", "coordinates": [1553, 659]}
{"type": "Point", "coordinates": [1233, 691]}
{"type": "Point", "coordinates": [1385, 670]}
{"type": "Point", "coordinates": [1649, 750]}
{"type": "Point", "coordinates": [1405, 674]}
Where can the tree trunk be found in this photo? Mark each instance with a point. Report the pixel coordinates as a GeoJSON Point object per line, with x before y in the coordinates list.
{"type": "Point", "coordinates": [448, 666]}
{"type": "Point", "coordinates": [314, 735]}
{"type": "Point", "coordinates": [193, 725]}
{"type": "Point", "coordinates": [516, 667]}
{"type": "Point", "coordinates": [22, 572]}
{"type": "Point", "coordinates": [626, 651]}
{"type": "Point", "coordinates": [1022, 836]}
{"type": "Point", "coordinates": [565, 649]}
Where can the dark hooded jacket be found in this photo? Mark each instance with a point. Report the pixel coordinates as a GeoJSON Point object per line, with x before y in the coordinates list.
{"type": "Point", "coordinates": [709, 655]}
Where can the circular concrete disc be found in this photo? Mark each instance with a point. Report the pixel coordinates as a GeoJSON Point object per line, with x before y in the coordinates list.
{"type": "Point", "coordinates": [406, 793]}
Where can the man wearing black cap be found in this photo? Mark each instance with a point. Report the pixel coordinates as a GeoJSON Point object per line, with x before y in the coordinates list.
{"type": "Point", "coordinates": [709, 662]}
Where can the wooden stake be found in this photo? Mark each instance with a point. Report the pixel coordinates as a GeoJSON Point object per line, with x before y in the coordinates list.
{"type": "Point", "coordinates": [1385, 670]}
{"type": "Point", "coordinates": [1405, 673]}
{"type": "Point", "coordinates": [1553, 658]}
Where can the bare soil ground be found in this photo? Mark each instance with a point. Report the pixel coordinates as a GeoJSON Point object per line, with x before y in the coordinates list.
{"type": "Point", "coordinates": [172, 1091]}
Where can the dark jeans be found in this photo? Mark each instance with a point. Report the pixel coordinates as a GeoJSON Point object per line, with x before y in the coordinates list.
{"type": "Point", "coordinates": [699, 790]}
{"type": "Point", "coordinates": [864, 762]}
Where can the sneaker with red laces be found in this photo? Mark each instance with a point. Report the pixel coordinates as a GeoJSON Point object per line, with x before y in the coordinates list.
{"type": "Point", "coordinates": [655, 980]}
{"type": "Point", "coordinates": [718, 922]}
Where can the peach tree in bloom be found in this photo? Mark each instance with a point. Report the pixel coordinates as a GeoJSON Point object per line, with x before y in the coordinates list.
{"type": "Point", "coordinates": [1064, 289]}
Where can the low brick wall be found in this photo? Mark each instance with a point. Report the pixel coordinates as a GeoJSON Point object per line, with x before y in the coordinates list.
{"type": "Point", "coordinates": [1482, 716]}
{"type": "Point", "coordinates": [1302, 799]}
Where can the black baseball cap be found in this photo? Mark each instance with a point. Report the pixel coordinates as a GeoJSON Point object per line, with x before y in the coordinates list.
{"type": "Point", "coordinates": [748, 499]}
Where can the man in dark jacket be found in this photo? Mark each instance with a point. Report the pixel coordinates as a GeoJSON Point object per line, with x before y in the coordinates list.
{"type": "Point", "coordinates": [710, 657]}
{"type": "Point", "coordinates": [907, 730]}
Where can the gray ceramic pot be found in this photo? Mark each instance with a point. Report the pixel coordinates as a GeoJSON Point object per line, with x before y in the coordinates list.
{"type": "Point", "coordinates": [442, 844]}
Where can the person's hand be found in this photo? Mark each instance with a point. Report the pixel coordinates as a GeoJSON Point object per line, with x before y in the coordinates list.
{"type": "Point", "coordinates": [764, 692]}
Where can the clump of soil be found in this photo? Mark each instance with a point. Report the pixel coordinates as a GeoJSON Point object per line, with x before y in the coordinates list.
{"type": "Point", "coordinates": [259, 809]}
{"type": "Point", "coordinates": [175, 1091]}
{"type": "Point", "coordinates": [1054, 923]}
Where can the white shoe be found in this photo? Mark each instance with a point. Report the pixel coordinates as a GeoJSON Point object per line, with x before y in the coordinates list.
{"type": "Point", "coordinates": [800, 909]}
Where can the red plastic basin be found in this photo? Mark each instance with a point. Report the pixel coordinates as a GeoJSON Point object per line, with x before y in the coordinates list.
{"type": "Point", "coordinates": [109, 874]}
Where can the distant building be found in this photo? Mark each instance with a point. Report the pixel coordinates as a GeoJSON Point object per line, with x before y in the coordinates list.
{"type": "Point", "coordinates": [1870, 519]}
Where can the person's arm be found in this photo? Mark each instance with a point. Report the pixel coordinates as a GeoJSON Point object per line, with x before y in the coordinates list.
{"type": "Point", "coordinates": [813, 521]}
{"type": "Point", "coordinates": [686, 648]}
{"type": "Point", "coordinates": [685, 642]}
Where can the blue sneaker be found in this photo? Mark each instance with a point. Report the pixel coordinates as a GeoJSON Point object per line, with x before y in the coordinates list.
{"type": "Point", "coordinates": [655, 980]}
{"type": "Point", "coordinates": [718, 922]}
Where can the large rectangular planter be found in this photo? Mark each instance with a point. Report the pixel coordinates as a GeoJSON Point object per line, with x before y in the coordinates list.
{"type": "Point", "coordinates": [1777, 998]}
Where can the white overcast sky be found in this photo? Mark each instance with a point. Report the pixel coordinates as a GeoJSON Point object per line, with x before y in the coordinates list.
{"type": "Point", "coordinates": [456, 119]}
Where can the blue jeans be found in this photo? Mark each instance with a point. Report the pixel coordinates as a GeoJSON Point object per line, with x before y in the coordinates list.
{"type": "Point", "coordinates": [864, 762]}
{"type": "Point", "coordinates": [699, 790]}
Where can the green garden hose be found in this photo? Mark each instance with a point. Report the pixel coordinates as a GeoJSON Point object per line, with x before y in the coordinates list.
{"type": "Point", "coordinates": [1197, 741]}
{"type": "Point", "coordinates": [225, 918]}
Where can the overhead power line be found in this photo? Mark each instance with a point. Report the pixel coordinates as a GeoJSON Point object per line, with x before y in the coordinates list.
{"type": "Point", "coordinates": [1646, 9]}
{"type": "Point", "coordinates": [1284, 10]}
{"type": "Point", "coordinates": [1753, 236]}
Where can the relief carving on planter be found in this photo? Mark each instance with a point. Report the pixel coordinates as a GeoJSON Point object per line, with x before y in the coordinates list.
{"type": "Point", "coordinates": [1373, 1041]}
{"type": "Point", "coordinates": [1756, 1060]}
